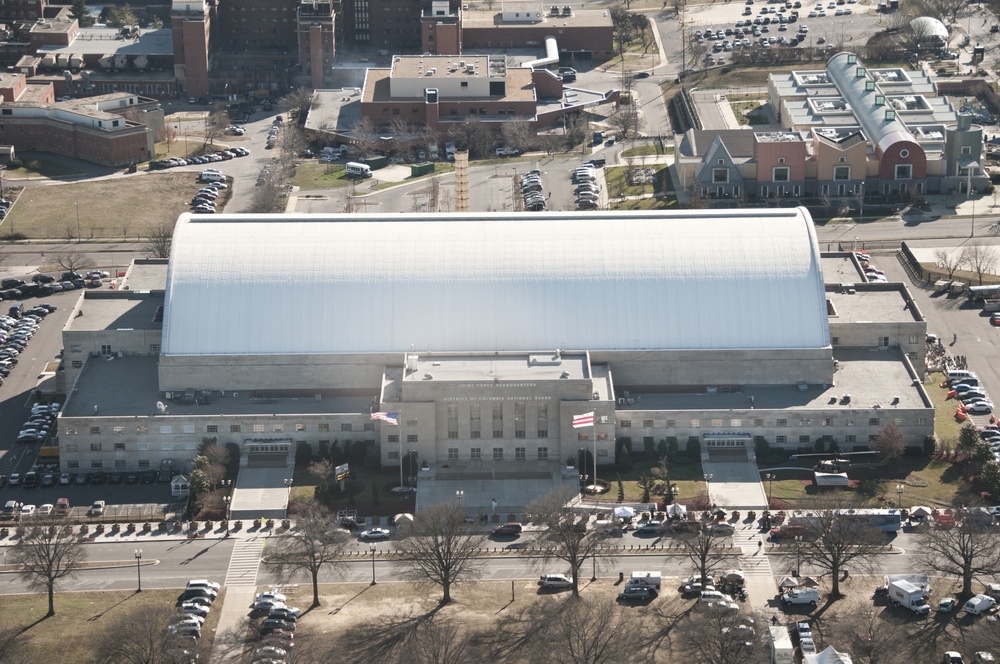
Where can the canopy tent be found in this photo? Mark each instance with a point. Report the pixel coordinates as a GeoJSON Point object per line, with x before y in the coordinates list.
{"type": "Point", "coordinates": [920, 511]}
{"type": "Point", "coordinates": [624, 512]}
{"type": "Point", "coordinates": [788, 582]}
{"type": "Point", "coordinates": [809, 582]}
{"type": "Point", "coordinates": [404, 519]}
{"type": "Point", "coordinates": [828, 656]}
{"type": "Point", "coordinates": [676, 509]}
{"type": "Point", "coordinates": [734, 576]}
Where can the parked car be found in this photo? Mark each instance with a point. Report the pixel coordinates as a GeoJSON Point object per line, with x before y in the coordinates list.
{"type": "Point", "coordinates": [374, 534]}
{"type": "Point", "coordinates": [636, 593]}
{"type": "Point", "coordinates": [556, 581]}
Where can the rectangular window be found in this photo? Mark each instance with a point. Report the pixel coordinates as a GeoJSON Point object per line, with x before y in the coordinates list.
{"type": "Point", "coordinates": [188, 428]}
{"type": "Point", "coordinates": [392, 438]}
{"type": "Point", "coordinates": [154, 349]}
{"type": "Point", "coordinates": [411, 438]}
{"type": "Point", "coordinates": [781, 422]}
{"type": "Point", "coordinates": [119, 447]}
{"type": "Point", "coordinates": [95, 431]}
{"type": "Point", "coordinates": [966, 149]}
{"type": "Point", "coordinates": [873, 421]}
{"type": "Point", "coordinates": [841, 172]}
{"type": "Point", "coordinates": [921, 421]}
{"type": "Point", "coordinates": [695, 424]}
{"type": "Point", "coordinates": [781, 439]}
{"type": "Point", "coordinates": [118, 430]}
{"type": "Point", "coordinates": [95, 447]}
{"type": "Point", "coordinates": [850, 422]}
{"type": "Point", "coordinates": [671, 424]}
{"type": "Point", "coordinates": [393, 455]}
{"type": "Point", "coordinates": [582, 436]}
{"type": "Point", "coordinates": [780, 174]}
{"type": "Point", "coordinates": [258, 428]}
{"type": "Point", "coordinates": [475, 434]}
{"type": "Point", "coordinates": [142, 447]}
{"type": "Point", "coordinates": [803, 439]}
{"type": "Point", "coordinates": [77, 364]}
{"type": "Point", "coordinates": [851, 438]}
{"type": "Point", "coordinates": [758, 422]}
{"type": "Point", "coordinates": [647, 424]}
{"type": "Point", "coordinates": [519, 433]}
{"type": "Point", "coordinates": [626, 424]}
{"type": "Point", "coordinates": [720, 175]}
{"type": "Point", "coordinates": [166, 429]}
{"type": "Point", "coordinates": [452, 453]}
{"type": "Point", "coordinates": [71, 447]}
{"type": "Point", "coordinates": [234, 428]}
{"type": "Point", "coordinates": [904, 171]}
{"type": "Point", "coordinates": [519, 454]}
{"type": "Point", "coordinates": [474, 411]}
{"type": "Point", "coordinates": [898, 421]}
{"type": "Point", "coordinates": [411, 423]}
{"type": "Point", "coordinates": [543, 433]}
{"type": "Point", "coordinates": [735, 422]}
{"type": "Point", "coordinates": [72, 464]}
{"type": "Point", "coordinates": [369, 426]}
{"type": "Point", "coordinates": [476, 453]}
{"type": "Point", "coordinates": [452, 435]}
{"type": "Point", "coordinates": [212, 428]}
{"type": "Point", "coordinates": [498, 454]}
{"type": "Point", "coordinates": [716, 422]}
{"type": "Point", "coordinates": [543, 453]}
{"type": "Point", "coordinates": [828, 421]}
{"type": "Point", "coordinates": [97, 464]}
{"type": "Point", "coordinates": [323, 426]}
{"type": "Point", "coordinates": [74, 348]}
{"type": "Point", "coordinates": [602, 454]}
{"type": "Point", "coordinates": [345, 426]}
{"type": "Point", "coordinates": [144, 463]}
{"type": "Point", "coordinates": [498, 433]}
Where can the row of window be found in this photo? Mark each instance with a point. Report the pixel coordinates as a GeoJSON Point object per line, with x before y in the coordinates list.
{"type": "Point", "coordinates": [476, 454]}
{"type": "Point", "coordinates": [276, 427]}
{"type": "Point", "coordinates": [737, 422]}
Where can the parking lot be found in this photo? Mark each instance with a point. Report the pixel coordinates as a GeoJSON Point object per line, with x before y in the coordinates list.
{"type": "Point", "coordinates": [829, 23]}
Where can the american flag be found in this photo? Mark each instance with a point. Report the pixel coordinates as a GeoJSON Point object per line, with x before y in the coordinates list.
{"type": "Point", "coordinates": [585, 420]}
{"type": "Point", "coordinates": [388, 418]}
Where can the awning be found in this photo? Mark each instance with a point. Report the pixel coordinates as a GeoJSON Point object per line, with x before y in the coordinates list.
{"type": "Point", "coordinates": [48, 60]}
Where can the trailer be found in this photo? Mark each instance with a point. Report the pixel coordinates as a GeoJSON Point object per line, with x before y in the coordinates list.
{"type": "Point", "coordinates": [908, 595]}
{"type": "Point", "coordinates": [782, 651]}
{"type": "Point", "coordinates": [647, 579]}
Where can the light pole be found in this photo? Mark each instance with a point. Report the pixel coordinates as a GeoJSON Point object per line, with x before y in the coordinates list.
{"type": "Point", "coordinates": [138, 569]}
{"type": "Point", "coordinates": [373, 549]}
{"type": "Point", "coordinates": [226, 500]}
{"type": "Point", "coordinates": [798, 554]}
{"type": "Point", "coordinates": [861, 204]}
{"type": "Point", "coordinates": [899, 496]}
{"type": "Point", "coordinates": [770, 480]}
{"type": "Point", "coordinates": [460, 495]}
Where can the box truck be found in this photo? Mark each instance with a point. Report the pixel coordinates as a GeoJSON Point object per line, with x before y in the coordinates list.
{"type": "Point", "coordinates": [908, 595]}
{"type": "Point", "coordinates": [782, 651]}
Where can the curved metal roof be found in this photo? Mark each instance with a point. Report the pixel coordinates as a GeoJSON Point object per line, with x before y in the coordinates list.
{"type": "Point", "coordinates": [293, 284]}
{"type": "Point", "coordinates": [881, 132]}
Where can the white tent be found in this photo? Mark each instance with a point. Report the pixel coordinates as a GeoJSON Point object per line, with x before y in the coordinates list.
{"type": "Point", "coordinates": [788, 582]}
{"type": "Point", "coordinates": [828, 656]}
{"type": "Point", "coordinates": [624, 512]}
{"type": "Point", "coordinates": [676, 510]}
{"type": "Point", "coordinates": [920, 511]}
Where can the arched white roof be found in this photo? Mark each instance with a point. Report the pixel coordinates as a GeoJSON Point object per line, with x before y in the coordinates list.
{"type": "Point", "coordinates": [925, 27]}
{"type": "Point", "coordinates": [293, 284]}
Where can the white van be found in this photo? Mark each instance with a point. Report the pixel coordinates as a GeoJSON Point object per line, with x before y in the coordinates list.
{"type": "Point", "coordinates": [354, 169]}
{"type": "Point", "coordinates": [801, 596]}
{"type": "Point", "coordinates": [979, 604]}
{"type": "Point", "coordinates": [211, 176]}
{"type": "Point", "coordinates": [713, 596]}
{"type": "Point", "coordinates": [959, 375]}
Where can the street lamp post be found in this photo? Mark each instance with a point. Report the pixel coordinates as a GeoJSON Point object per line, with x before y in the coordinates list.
{"type": "Point", "coordinates": [798, 554]}
{"type": "Point", "coordinates": [770, 481]}
{"type": "Point", "coordinates": [138, 569]}
{"type": "Point", "coordinates": [899, 496]}
{"type": "Point", "coordinates": [373, 549]}
{"type": "Point", "coordinates": [226, 500]}
{"type": "Point", "coordinates": [460, 495]}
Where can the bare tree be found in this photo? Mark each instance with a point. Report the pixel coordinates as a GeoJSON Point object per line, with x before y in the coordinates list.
{"type": "Point", "coordinates": [723, 638]}
{"type": "Point", "coordinates": [441, 548]}
{"type": "Point", "coordinates": [45, 553]}
{"type": "Point", "coordinates": [566, 536]}
{"type": "Point", "coordinates": [291, 141]}
{"type": "Point", "coordinates": [946, 10]}
{"type": "Point", "coordinates": [703, 546]}
{"type": "Point", "coordinates": [148, 641]}
{"type": "Point", "coordinates": [312, 545]}
{"type": "Point", "coordinates": [870, 635]}
{"type": "Point", "coordinates": [981, 258]}
{"type": "Point", "coordinates": [438, 641]}
{"type": "Point", "coordinates": [968, 550]}
{"type": "Point", "coordinates": [216, 123]}
{"type": "Point", "coordinates": [158, 240]}
{"type": "Point", "coordinates": [365, 135]}
{"type": "Point", "coordinates": [584, 632]}
{"type": "Point", "coordinates": [517, 134]}
{"type": "Point", "coordinates": [833, 542]}
{"type": "Point", "coordinates": [948, 260]}
{"type": "Point", "coordinates": [73, 261]}
{"type": "Point", "coordinates": [168, 135]}
{"type": "Point", "coordinates": [889, 442]}
{"type": "Point", "coordinates": [625, 119]}
{"type": "Point", "coordinates": [298, 103]}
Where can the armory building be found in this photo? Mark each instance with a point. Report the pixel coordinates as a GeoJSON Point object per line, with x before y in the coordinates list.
{"type": "Point", "coordinates": [487, 334]}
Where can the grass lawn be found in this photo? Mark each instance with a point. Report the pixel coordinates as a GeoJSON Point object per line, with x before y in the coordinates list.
{"type": "Point", "coordinates": [439, 167]}
{"type": "Point", "coordinates": [358, 494]}
{"type": "Point", "coordinates": [971, 278]}
{"type": "Point", "coordinates": [48, 166]}
{"type": "Point", "coordinates": [118, 208]}
{"type": "Point", "coordinates": [946, 427]}
{"type": "Point", "coordinates": [925, 482]}
{"type": "Point", "coordinates": [70, 635]}
{"type": "Point", "coordinates": [731, 76]}
{"type": "Point", "coordinates": [645, 204]}
{"type": "Point", "coordinates": [320, 176]}
{"type": "Point", "coordinates": [648, 149]}
{"type": "Point", "coordinates": [618, 184]}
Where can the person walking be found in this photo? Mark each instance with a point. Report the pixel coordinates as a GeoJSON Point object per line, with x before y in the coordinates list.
{"type": "Point", "coordinates": [760, 544]}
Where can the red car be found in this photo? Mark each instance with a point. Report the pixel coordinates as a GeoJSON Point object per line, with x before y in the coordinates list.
{"type": "Point", "coordinates": [789, 532]}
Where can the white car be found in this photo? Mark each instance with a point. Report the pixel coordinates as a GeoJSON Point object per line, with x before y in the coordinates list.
{"type": "Point", "coordinates": [195, 609]}
{"type": "Point", "coordinates": [272, 595]}
{"type": "Point", "coordinates": [555, 581]}
{"type": "Point", "coordinates": [45, 509]}
{"type": "Point", "coordinates": [27, 511]}
{"type": "Point", "coordinates": [204, 583]}
{"type": "Point", "coordinates": [808, 646]}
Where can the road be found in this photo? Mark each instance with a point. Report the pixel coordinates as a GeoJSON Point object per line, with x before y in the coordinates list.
{"type": "Point", "coordinates": [171, 564]}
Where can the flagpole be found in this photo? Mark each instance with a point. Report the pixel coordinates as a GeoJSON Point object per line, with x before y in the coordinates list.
{"type": "Point", "coordinates": [594, 427]}
{"type": "Point", "coordinates": [400, 420]}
